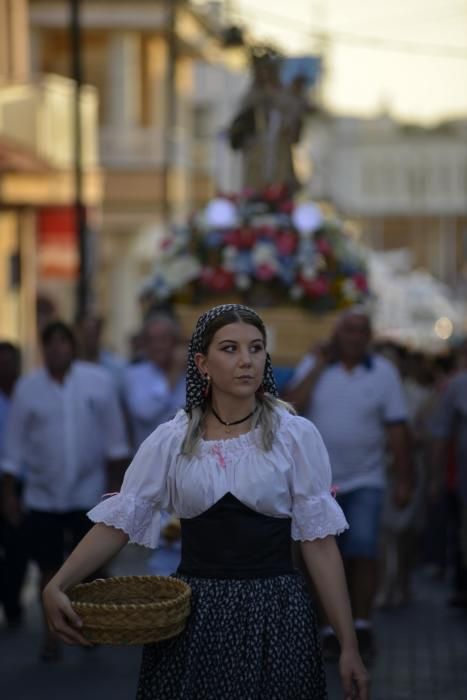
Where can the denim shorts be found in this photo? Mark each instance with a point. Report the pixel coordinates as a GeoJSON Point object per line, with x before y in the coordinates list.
{"type": "Point", "coordinates": [363, 509]}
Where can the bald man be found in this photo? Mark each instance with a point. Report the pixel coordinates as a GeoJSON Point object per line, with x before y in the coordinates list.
{"type": "Point", "coordinates": [356, 401]}
{"type": "Point", "coordinates": [154, 389]}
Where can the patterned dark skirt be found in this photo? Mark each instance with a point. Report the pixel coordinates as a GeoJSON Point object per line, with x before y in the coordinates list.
{"type": "Point", "coordinates": [250, 639]}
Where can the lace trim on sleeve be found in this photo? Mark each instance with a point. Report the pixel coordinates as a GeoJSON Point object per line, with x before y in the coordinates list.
{"type": "Point", "coordinates": [317, 517]}
{"type": "Point", "coordinates": [136, 516]}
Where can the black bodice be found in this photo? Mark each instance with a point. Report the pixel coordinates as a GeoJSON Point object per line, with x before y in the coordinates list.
{"type": "Point", "coordinates": [230, 540]}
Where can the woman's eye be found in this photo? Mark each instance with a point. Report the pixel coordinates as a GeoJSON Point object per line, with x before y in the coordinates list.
{"type": "Point", "coordinates": [228, 348]}
{"type": "Point", "coordinates": [257, 348]}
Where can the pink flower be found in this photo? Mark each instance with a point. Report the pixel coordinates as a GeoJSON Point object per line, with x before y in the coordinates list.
{"type": "Point", "coordinates": [166, 243]}
{"type": "Point", "coordinates": [266, 232]}
{"type": "Point", "coordinates": [265, 272]}
{"type": "Point", "coordinates": [248, 193]}
{"type": "Point", "coordinates": [360, 282]}
{"type": "Point", "coordinates": [286, 243]}
{"type": "Point", "coordinates": [315, 288]}
{"type": "Point", "coordinates": [246, 238]}
{"type": "Point", "coordinates": [241, 238]}
{"type": "Point", "coordinates": [286, 207]}
{"type": "Point", "coordinates": [218, 279]}
{"type": "Point", "coordinates": [275, 193]}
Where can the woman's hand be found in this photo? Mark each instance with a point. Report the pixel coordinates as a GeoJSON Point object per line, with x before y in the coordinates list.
{"type": "Point", "coordinates": [354, 676]}
{"type": "Point", "coordinates": [61, 618]}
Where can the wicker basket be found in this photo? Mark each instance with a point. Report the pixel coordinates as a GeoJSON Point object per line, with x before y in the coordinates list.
{"type": "Point", "coordinates": [131, 609]}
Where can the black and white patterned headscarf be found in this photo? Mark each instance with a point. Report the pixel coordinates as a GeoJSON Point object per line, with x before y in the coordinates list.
{"type": "Point", "coordinates": [195, 382]}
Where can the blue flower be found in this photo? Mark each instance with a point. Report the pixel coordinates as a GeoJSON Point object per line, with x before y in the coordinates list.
{"type": "Point", "coordinates": [244, 263]}
{"type": "Point", "coordinates": [213, 239]}
{"type": "Point", "coordinates": [287, 275]}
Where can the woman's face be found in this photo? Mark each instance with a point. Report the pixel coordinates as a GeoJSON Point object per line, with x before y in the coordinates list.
{"type": "Point", "coordinates": [235, 360]}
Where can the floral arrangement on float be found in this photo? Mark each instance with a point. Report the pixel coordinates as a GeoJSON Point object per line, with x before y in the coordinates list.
{"type": "Point", "coordinates": [264, 250]}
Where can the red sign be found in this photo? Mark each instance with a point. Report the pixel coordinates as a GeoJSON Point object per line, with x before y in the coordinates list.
{"type": "Point", "coordinates": [57, 243]}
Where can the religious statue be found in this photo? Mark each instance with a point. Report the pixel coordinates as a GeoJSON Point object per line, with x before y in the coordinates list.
{"type": "Point", "coordinates": [268, 124]}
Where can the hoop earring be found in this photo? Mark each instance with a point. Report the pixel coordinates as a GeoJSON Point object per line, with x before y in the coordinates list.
{"type": "Point", "coordinates": [207, 388]}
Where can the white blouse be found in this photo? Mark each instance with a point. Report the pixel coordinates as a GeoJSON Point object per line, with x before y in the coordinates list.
{"type": "Point", "coordinates": [293, 479]}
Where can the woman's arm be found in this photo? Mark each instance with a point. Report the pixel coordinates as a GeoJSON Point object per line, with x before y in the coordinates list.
{"type": "Point", "coordinates": [97, 548]}
{"type": "Point", "coordinates": [324, 565]}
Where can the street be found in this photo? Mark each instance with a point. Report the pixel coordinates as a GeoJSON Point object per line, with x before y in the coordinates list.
{"type": "Point", "coordinates": [422, 654]}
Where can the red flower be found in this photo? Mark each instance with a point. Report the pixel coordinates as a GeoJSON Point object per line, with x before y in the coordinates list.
{"type": "Point", "coordinates": [265, 272]}
{"type": "Point", "coordinates": [360, 282]}
{"type": "Point", "coordinates": [241, 238]}
{"type": "Point", "coordinates": [275, 193]}
{"type": "Point", "coordinates": [286, 207]}
{"type": "Point", "coordinates": [248, 193]}
{"type": "Point", "coordinates": [246, 238]}
{"type": "Point", "coordinates": [266, 232]}
{"type": "Point", "coordinates": [217, 279]}
{"type": "Point", "coordinates": [286, 243]}
{"type": "Point", "coordinates": [231, 238]}
{"type": "Point", "coordinates": [317, 288]}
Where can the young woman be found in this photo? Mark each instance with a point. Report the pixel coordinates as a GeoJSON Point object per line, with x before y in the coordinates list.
{"type": "Point", "coordinates": [244, 474]}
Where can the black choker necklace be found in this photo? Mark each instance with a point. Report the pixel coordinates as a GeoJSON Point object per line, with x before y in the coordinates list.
{"type": "Point", "coordinates": [233, 422]}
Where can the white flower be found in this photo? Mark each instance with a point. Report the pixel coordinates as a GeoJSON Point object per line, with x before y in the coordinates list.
{"type": "Point", "coordinates": [220, 213]}
{"type": "Point", "coordinates": [296, 292]}
{"type": "Point", "coordinates": [307, 218]}
{"type": "Point", "coordinates": [349, 290]}
{"type": "Point", "coordinates": [265, 253]}
{"type": "Point", "coordinates": [242, 281]}
{"type": "Point", "coordinates": [267, 220]}
{"type": "Point", "coordinates": [229, 255]}
{"type": "Point", "coordinates": [177, 271]}
{"type": "Point", "coordinates": [308, 272]}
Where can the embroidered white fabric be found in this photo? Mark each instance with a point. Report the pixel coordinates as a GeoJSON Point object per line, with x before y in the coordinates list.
{"type": "Point", "coordinates": [293, 479]}
{"type": "Point", "coordinates": [135, 516]}
{"type": "Point", "coordinates": [317, 517]}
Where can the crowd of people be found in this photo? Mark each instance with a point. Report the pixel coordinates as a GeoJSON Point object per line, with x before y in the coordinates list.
{"type": "Point", "coordinates": [393, 421]}
{"type": "Point", "coordinates": [68, 431]}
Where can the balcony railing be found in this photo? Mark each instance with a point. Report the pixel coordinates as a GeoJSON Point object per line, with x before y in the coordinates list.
{"type": "Point", "coordinates": [40, 116]}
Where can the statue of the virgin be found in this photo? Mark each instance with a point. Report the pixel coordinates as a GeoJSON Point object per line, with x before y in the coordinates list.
{"type": "Point", "coordinates": [268, 124]}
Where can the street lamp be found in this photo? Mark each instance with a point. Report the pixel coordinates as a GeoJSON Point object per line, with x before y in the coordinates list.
{"type": "Point", "coordinates": [82, 288]}
{"type": "Point", "coordinates": [170, 116]}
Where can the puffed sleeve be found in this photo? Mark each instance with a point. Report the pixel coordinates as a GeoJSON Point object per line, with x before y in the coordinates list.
{"type": "Point", "coordinates": [315, 511]}
{"type": "Point", "coordinates": [137, 508]}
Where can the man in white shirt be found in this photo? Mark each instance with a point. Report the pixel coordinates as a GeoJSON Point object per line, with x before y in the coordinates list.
{"type": "Point", "coordinates": [89, 328]}
{"type": "Point", "coordinates": [154, 390]}
{"type": "Point", "coordinates": [13, 550]}
{"type": "Point", "coordinates": [66, 430]}
{"type": "Point", "coordinates": [356, 401]}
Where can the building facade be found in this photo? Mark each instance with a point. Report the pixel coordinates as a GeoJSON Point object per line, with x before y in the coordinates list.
{"type": "Point", "coordinates": [404, 186]}
{"type": "Point", "coordinates": [142, 58]}
{"type": "Point", "coordinates": [38, 258]}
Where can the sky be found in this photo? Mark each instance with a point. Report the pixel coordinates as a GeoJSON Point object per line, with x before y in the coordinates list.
{"type": "Point", "coordinates": [407, 58]}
